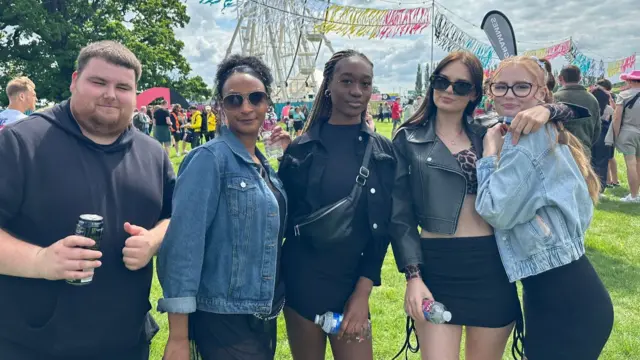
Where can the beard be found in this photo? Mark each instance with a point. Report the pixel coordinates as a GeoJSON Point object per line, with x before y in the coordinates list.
{"type": "Point", "coordinates": [92, 121]}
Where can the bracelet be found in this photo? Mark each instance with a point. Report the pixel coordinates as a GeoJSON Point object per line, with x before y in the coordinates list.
{"type": "Point", "coordinates": [412, 272]}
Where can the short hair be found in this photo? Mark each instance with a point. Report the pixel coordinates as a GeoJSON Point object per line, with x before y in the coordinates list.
{"type": "Point", "coordinates": [163, 102]}
{"type": "Point", "coordinates": [570, 74]}
{"type": "Point", "coordinates": [19, 85]}
{"type": "Point", "coordinates": [605, 84]}
{"type": "Point", "coordinates": [111, 52]}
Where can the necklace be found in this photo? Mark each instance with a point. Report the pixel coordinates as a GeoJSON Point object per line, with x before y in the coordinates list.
{"type": "Point", "coordinates": [452, 142]}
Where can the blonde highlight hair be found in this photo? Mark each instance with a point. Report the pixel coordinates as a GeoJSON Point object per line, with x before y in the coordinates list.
{"type": "Point", "coordinates": [564, 137]}
{"type": "Point", "coordinates": [19, 85]}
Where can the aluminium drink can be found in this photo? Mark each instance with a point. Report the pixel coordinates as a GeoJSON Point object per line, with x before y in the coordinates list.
{"type": "Point", "coordinates": [89, 226]}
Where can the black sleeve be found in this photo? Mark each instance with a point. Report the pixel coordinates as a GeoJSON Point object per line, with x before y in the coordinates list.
{"type": "Point", "coordinates": [373, 258]}
{"type": "Point", "coordinates": [167, 187]}
{"type": "Point", "coordinates": [405, 239]}
{"type": "Point", "coordinates": [284, 175]}
{"type": "Point", "coordinates": [12, 175]}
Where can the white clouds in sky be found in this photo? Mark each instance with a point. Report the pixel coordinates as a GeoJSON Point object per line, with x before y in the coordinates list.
{"type": "Point", "coordinates": [600, 28]}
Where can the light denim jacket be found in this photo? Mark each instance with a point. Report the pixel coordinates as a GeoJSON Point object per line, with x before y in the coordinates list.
{"type": "Point", "coordinates": [538, 202]}
{"type": "Point", "coordinates": [220, 252]}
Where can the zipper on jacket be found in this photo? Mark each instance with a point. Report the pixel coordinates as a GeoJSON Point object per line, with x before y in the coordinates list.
{"type": "Point", "coordinates": [465, 190]}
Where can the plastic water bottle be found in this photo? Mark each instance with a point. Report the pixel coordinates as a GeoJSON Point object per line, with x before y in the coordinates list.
{"type": "Point", "coordinates": [272, 150]}
{"type": "Point", "coordinates": [330, 323]}
{"type": "Point", "coordinates": [435, 312]}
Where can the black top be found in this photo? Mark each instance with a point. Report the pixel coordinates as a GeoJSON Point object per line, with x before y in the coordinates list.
{"type": "Point", "coordinates": [52, 175]}
{"type": "Point", "coordinates": [161, 116]}
{"type": "Point", "coordinates": [320, 167]}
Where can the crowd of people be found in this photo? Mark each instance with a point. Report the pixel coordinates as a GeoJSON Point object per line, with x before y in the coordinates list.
{"type": "Point", "coordinates": [471, 206]}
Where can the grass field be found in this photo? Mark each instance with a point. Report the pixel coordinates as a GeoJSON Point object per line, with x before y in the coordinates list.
{"type": "Point", "coordinates": [613, 246]}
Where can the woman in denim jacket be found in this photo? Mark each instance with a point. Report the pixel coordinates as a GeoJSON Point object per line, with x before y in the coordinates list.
{"type": "Point", "coordinates": [219, 263]}
{"type": "Point", "coordinates": [539, 196]}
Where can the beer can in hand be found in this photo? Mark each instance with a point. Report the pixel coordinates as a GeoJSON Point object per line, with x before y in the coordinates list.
{"type": "Point", "coordinates": [89, 226]}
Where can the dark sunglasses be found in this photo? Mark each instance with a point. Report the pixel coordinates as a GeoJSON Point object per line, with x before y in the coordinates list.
{"type": "Point", "coordinates": [460, 87]}
{"type": "Point", "coordinates": [235, 101]}
{"type": "Point", "coordinates": [520, 89]}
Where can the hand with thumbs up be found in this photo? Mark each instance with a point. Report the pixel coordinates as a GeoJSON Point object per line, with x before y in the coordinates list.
{"type": "Point", "coordinates": [139, 247]}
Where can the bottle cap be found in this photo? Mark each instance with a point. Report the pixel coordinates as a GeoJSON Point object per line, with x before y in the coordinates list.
{"type": "Point", "coordinates": [446, 316]}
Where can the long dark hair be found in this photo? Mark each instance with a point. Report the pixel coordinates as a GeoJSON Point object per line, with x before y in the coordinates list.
{"type": "Point", "coordinates": [322, 104]}
{"type": "Point", "coordinates": [428, 107]}
{"type": "Point", "coordinates": [602, 97]}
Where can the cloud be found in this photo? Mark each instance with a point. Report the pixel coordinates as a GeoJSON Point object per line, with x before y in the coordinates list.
{"type": "Point", "coordinates": [601, 30]}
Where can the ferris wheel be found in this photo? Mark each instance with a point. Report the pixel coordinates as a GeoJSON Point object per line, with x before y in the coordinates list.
{"type": "Point", "coordinates": [281, 33]}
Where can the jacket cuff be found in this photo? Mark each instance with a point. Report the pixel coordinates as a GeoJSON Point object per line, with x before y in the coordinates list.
{"type": "Point", "coordinates": [180, 305]}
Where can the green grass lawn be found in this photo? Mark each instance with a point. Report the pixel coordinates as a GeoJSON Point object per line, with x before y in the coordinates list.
{"type": "Point", "coordinates": [613, 246]}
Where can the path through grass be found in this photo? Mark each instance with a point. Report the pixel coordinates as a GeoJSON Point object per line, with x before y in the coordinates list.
{"type": "Point", "coordinates": [613, 246]}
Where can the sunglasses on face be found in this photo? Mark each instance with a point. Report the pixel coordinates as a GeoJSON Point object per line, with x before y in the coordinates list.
{"type": "Point", "coordinates": [235, 101]}
{"type": "Point", "coordinates": [520, 89]}
{"type": "Point", "coordinates": [460, 87]}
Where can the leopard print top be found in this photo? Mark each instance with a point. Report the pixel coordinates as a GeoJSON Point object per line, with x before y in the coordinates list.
{"type": "Point", "coordinates": [467, 159]}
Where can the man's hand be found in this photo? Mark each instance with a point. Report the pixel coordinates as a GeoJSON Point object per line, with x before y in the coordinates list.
{"type": "Point", "coordinates": [139, 247]}
{"type": "Point", "coordinates": [67, 258]}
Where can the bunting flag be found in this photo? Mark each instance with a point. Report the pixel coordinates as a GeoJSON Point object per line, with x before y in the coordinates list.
{"type": "Point", "coordinates": [450, 38]}
{"type": "Point", "coordinates": [551, 52]}
{"type": "Point", "coordinates": [225, 3]}
{"type": "Point", "coordinates": [374, 23]}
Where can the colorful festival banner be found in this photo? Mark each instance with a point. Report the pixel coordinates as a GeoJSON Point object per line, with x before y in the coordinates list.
{"type": "Point", "coordinates": [551, 52]}
{"type": "Point", "coordinates": [450, 38]}
{"type": "Point", "coordinates": [374, 23]}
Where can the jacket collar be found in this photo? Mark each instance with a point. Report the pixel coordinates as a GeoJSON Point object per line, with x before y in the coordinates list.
{"type": "Point", "coordinates": [313, 133]}
{"type": "Point", "coordinates": [229, 138]}
{"type": "Point", "coordinates": [574, 87]}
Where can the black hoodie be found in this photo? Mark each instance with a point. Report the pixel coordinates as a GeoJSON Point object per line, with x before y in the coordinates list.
{"type": "Point", "coordinates": [50, 174]}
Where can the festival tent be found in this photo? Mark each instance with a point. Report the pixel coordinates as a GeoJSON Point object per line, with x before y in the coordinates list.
{"type": "Point", "coordinates": [172, 97]}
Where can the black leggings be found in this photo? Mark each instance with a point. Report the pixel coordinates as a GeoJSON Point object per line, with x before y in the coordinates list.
{"type": "Point", "coordinates": [568, 313]}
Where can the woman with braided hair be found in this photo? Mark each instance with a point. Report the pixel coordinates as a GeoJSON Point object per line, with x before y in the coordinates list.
{"type": "Point", "coordinates": [334, 267]}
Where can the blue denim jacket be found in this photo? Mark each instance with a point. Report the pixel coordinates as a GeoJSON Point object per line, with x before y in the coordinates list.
{"type": "Point", "coordinates": [538, 202]}
{"type": "Point", "coordinates": [220, 252]}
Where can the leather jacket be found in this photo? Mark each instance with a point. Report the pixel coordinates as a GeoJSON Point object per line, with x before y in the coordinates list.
{"type": "Point", "coordinates": [429, 188]}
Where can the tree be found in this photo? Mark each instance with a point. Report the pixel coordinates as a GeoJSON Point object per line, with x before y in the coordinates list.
{"type": "Point", "coordinates": [193, 88]}
{"type": "Point", "coordinates": [427, 76]}
{"type": "Point", "coordinates": [41, 39]}
{"type": "Point", "coordinates": [419, 81]}
{"type": "Point", "coordinates": [376, 90]}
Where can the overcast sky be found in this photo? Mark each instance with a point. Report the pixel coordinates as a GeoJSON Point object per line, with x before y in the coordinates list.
{"type": "Point", "coordinates": [601, 29]}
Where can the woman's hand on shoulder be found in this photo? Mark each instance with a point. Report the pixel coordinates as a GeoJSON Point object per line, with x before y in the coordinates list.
{"type": "Point", "coordinates": [530, 120]}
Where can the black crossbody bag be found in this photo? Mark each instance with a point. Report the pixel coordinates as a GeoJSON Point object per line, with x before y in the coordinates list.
{"type": "Point", "coordinates": [333, 223]}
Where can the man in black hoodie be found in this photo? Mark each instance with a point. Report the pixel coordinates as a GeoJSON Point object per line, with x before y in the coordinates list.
{"type": "Point", "coordinates": [81, 157]}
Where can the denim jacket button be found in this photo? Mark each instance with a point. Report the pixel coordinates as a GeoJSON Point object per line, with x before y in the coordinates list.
{"type": "Point", "coordinates": [504, 238]}
{"type": "Point", "coordinates": [359, 138]}
{"type": "Point", "coordinates": [375, 226]}
{"type": "Point", "coordinates": [428, 159]}
{"type": "Point", "coordinates": [243, 185]}
{"type": "Point", "coordinates": [373, 191]}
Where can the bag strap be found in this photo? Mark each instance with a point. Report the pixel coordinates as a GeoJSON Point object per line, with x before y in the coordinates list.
{"type": "Point", "coordinates": [629, 104]}
{"type": "Point", "coordinates": [363, 173]}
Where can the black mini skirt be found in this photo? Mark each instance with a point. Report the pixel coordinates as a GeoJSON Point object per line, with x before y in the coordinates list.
{"type": "Point", "coordinates": [467, 276]}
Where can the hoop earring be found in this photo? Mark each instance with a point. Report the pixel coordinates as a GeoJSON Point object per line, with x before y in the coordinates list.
{"type": "Point", "coordinates": [327, 93]}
